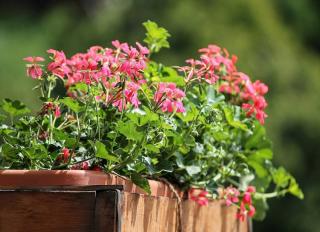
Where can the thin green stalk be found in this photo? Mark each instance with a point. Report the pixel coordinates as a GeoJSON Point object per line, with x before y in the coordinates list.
{"type": "Point", "coordinates": [50, 129]}
{"type": "Point", "coordinates": [49, 90]}
{"type": "Point", "coordinates": [270, 195]}
{"type": "Point", "coordinates": [98, 119]}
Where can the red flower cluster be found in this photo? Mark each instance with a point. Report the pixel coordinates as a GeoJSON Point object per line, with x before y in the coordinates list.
{"type": "Point", "coordinates": [169, 97]}
{"type": "Point", "coordinates": [199, 195]}
{"type": "Point", "coordinates": [231, 195]}
{"type": "Point", "coordinates": [64, 156]}
{"type": "Point", "coordinates": [81, 166]}
{"type": "Point", "coordinates": [106, 66]}
{"type": "Point", "coordinates": [216, 64]}
{"type": "Point", "coordinates": [251, 94]}
{"type": "Point", "coordinates": [51, 107]}
{"type": "Point", "coordinates": [119, 70]}
{"type": "Point", "coordinates": [246, 207]}
{"type": "Point", "coordinates": [34, 69]}
{"type": "Point", "coordinates": [99, 64]}
{"type": "Point", "coordinates": [130, 95]}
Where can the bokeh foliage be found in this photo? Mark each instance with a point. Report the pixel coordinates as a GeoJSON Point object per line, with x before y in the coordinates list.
{"type": "Point", "coordinates": [277, 41]}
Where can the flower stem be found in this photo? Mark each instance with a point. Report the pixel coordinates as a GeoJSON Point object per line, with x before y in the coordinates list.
{"type": "Point", "coordinates": [270, 195]}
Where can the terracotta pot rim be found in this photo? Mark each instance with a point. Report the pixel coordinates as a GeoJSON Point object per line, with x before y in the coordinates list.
{"type": "Point", "coordinates": [42, 178]}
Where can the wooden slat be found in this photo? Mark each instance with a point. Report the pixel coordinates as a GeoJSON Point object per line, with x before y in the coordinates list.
{"type": "Point", "coordinates": [58, 188]}
{"type": "Point", "coordinates": [141, 213]}
{"type": "Point", "coordinates": [47, 211]}
{"type": "Point", "coordinates": [106, 211]}
{"type": "Point", "coordinates": [214, 217]}
{"type": "Point", "coordinates": [146, 213]}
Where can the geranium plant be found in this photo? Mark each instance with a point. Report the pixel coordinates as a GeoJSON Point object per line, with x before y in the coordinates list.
{"type": "Point", "coordinates": [199, 126]}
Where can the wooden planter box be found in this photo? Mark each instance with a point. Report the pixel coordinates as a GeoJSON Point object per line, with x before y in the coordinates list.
{"type": "Point", "coordinates": [81, 201]}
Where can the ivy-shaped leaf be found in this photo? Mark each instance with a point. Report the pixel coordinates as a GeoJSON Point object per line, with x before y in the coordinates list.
{"type": "Point", "coordinates": [72, 104]}
{"type": "Point", "coordinates": [193, 170]}
{"type": "Point", "coordinates": [14, 108]}
{"type": "Point", "coordinates": [294, 188]}
{"type": "Point", "coordinates": [156, 37]}
{"type": "Point", "coordinates": [101, 152]}
{"type": "Point", "coordinates": [230, 119]}
{"type": "Point", "coordinates": [129, 130]}
{"type": "Point", "coordinates": [141, 182]}
{"type": "Point", "coordinates": [258, 139]}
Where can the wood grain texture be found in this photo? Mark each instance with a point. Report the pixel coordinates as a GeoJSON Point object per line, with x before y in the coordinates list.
{"type": "Point", "coordinates": [47, 211]}
{"type": "Point", "coordinates": [95, 208]}
{"type": "Point", "coordinates": [105, 218]}
{"type": "Point", "coordinates": [141, 213]}
{"type": "Point", "coordinates": [214, 217]}
{"type": "Point", "coordinates": [147, 213]}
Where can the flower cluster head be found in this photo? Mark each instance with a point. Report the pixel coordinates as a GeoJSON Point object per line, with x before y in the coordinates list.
{"type": "Point", "coordinates": [81, 166]}
{"type": "Point", "coordinates": [99, 64]}
{"type": "Point", "coordinates": [251, 94]}
{"type": "Point", "coordinates": [130, 95]}
{"type": "Point", "coordinates": [34, 69]}
{"type": "Point", "coordinates": [169, 98]}
{"type": "Point", "coordinates": [216, 65]}
{"type": "Point", "coordinates": [213, 63]}
{"type": "Point", "coordinates": [246, 207]}
{"type": "Point", "coordinates": [231, 195]}
{"type": "Point", "coordinates": [118, 69]}
{"type": "Point", "coordinates": [51, 107]}
{"type": "Point", "coordinates": [199, 195]}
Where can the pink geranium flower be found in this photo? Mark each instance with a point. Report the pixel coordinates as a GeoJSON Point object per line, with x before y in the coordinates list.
{"type": "Point", "coordinates": [59, 65]}
{"type": "Point", "coordinates": [34, 70]}
{"type": "Point", "coordinates": [246, 207]}
{"type": "Point", "coordinates": [81, 166]}
{"type": "Point", "coordinates": [199, 195]}
{"type": "Point", "coordinates": [66, 154]}
{"type": "Point", "coordinates": [231, 195]}
{"type": "Point", "coordinates": [34, 59]}
{"type": "Point", "coordinates": [169, 98]}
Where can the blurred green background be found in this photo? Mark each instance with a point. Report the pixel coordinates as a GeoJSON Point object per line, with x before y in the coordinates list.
{"type": "Point", "coordinates": [277, 41]}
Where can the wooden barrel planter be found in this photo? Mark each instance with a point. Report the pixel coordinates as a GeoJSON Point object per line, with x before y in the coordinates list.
{"type": "Point", "coordinates": [82, 201]}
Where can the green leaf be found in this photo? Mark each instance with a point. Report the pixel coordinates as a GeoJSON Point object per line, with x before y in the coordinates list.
{"type": "Point", "coordinates": [141, 182]}
{"type": "Point", "coordinates": [259, 168]}
{"type": "Point", "coordinates": [261, 184]}
{"type": "Point", "coordinates": [258, 138]}
{"type": "Point", "coordinates": [80, 87]}
{"type": "Point", "coordinates": [191, 113]}
{"type": "Point", "coordinates": [129, 130]}
{"type": "Point", "coordinates": [281, 177]}
{"type": "Point", "coordinates": [261, 155]}
{"type": "Point", "coordinates": [2, 117]}
{"type": "Point", "coordinates": [101, 152]}
{"type": "Point", "coordinates": [261, 206]}
{"type": "Point", "coordinates": [294, 189]}
{"type": "Point", "coordinates": [14, 108]}
{"type": "Point", "coordinates": [152, 148]}
{"type": "Point", "coordinates": [193, 170]}
{"type": "Point", "coordinates": [164, 166]}
{"type": "Point", "coordinates": [212, 96]}
{"type": "Point", "coordinates": [179, 160]}
{"type": "Point", "coordinates": [72, 104]}
{"type": "Point", "coordinates": [8, 151]}
{"type": "Point", "coordinates": [60, 135]}
{"type": "Point", "coordinates": [70, 142]}
{"type": "Point", "coordinates": [143, 118]}
{"type": "Point", "coordinates": [37, 152]}
{"type": "Point", "coordinates": [169, 74]}
{"type": "Point", "coordinates": [156, 37]}
{"type": "Point", "coordinates": [230, 119]}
